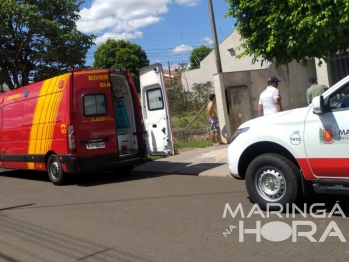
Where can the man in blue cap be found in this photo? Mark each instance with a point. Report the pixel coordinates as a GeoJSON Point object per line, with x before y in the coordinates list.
{"type": "Point", "coordinates": [270, 99]}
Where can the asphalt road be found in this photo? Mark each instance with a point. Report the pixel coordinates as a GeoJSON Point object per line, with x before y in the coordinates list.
{"type": "Point", "coordinates": [149, 218]}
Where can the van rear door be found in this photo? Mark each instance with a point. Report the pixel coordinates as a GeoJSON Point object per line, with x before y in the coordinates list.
{"type": "Point", "coordinates": [95, 130]}
{"type": "Point", "coordinates": [155, 110]}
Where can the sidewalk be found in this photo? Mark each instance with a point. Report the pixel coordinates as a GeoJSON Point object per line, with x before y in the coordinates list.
{"type": "Point", "coordinates": [210, 161]}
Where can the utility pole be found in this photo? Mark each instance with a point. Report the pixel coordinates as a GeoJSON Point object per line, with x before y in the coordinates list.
{"type": "Point", "coordinates": [169, 71]}
{"type": "Point", "coordinates": [214, 34]}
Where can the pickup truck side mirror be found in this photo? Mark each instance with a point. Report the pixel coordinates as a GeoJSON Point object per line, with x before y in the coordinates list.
{"type": "Point", "coordinates": [319, 105]}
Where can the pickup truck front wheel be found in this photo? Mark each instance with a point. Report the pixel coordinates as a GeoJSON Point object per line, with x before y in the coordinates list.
{"type": "Point", "coordinates": [271, 178]}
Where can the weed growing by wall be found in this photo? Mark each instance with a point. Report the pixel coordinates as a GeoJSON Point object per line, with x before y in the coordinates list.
{"type": "Point", "coordinates": [185, 105]}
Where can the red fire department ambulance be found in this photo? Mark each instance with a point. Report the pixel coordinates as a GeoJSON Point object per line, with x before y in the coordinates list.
{"type": "Point", "coordinates": [85, 120]}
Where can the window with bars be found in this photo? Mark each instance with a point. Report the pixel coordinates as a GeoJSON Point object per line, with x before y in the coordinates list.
{"type": "Point", "coordinates": [339, 66]}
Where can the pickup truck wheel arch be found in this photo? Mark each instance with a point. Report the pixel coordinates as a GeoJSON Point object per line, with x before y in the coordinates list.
{"type": "Point", "coordinates": [272, 178]}
{"type": "Point", "coordinates": [260, 148]}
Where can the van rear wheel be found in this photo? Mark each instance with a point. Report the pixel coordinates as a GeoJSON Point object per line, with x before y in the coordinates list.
{"type": "Point", "coordinates": [273, 179]}
{"type": "Point", "coordinates": [55, 170]}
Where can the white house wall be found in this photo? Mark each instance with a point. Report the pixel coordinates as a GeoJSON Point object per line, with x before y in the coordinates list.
{"type": "Point", "coordinates": [228, 50]}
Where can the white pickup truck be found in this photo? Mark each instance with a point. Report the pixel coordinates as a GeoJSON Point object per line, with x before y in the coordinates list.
{"type": "Point", "coordinates": [290, 154]}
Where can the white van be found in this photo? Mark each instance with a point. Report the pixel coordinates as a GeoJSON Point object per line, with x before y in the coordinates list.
{"type": "Point", "coordinates": [287, 155]}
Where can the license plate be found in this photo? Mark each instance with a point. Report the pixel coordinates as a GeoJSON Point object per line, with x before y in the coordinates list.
{"type": "Point", "coordinates": [95, 145]}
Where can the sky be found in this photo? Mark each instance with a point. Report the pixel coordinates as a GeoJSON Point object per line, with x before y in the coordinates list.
{"type": "Point", "coordinates": [167, 30]}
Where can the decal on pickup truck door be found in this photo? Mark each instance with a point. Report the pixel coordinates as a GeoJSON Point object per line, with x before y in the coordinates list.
{"type": "Point", "coordinates": [330, 134]}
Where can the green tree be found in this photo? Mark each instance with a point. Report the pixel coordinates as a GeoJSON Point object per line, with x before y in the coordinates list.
{"type": "Point", "coordinates": [283, 31]}
{"type": "Point", "coordinates": [197, 55]}
{"type": "Point", "coordinates": [122, 55]}
{"type": "Point", "coordinates": [39, 39]}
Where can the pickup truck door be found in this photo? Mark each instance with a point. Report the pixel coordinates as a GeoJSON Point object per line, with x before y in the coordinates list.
{"type": "Point", "coordinates": [326, 137]}
{"type": "Point", "coordinates": [155, 110]}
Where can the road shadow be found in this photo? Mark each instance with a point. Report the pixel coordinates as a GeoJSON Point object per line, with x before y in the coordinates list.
{"type": "Point", "coordinates": [170, 167]}
{"type": "Point", "coordinates": [88, 179]}
{"type": "Point", "coordinates": [152, 170]}
{"type": "Point", "coordinates": [109, 177]}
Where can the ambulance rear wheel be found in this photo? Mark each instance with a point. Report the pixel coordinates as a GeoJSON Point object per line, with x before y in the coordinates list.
{"type": "Point", "coordinates": [273, 179]}
{"type": "Point", "coordinates": [55, 170]}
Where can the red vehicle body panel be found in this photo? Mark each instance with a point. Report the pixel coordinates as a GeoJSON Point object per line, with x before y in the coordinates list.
{"type": "Point", "coordinates": [34, 123]}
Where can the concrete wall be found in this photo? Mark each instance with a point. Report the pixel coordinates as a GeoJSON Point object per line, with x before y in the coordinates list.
{"type": "Point", "coordinates": [192, 135]}
{"type": "Point", "coordinates": [238, 92]}
{"type": "Point", "coordinates": [238, 88]}
{"type": "Point", "coordinates": [228, 50]}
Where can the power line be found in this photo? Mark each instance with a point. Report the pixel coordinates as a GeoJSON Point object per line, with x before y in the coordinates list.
{"type": "Point", "coordinates": [222, 4]}
{"type": "Point", "coordinates": [147, 39]}
{"type": "Point", "coordinates": [165, 53]}
{"type": "Point", "coordinates": [155, 51]}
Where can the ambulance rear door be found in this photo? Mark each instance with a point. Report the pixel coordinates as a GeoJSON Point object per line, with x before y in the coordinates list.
{"type": "Point", "coordinates": [155, 110]}
{"type": "Point", "coordinates": [95, 130]}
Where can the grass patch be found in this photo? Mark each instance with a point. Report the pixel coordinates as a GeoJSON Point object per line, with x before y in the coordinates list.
{"type": "Point", "coordinates": [153, 158]}
{"type": "Point", "coordinates": [181, 122]}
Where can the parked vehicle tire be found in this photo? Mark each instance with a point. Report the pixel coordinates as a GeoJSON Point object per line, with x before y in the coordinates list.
{"type": "Point", "coordinates": [55, 170]}
{"type": "Point", "coordinates": [272, 178]}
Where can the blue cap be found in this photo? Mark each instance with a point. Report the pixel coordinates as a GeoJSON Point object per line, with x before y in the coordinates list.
{"type": "Point", "coordinates": [273, 79]}
{"type": "Point", "coordinates": [312, 79]}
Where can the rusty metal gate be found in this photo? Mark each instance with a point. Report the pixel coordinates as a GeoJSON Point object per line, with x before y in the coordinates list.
{"type": "Point", "coordinates": [239, 105]}
{"type": "Point", "coordinates": [339, 66]}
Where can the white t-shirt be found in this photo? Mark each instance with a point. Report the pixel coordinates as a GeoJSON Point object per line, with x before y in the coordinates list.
{"type": "Point", "coordinates": [267, 100]}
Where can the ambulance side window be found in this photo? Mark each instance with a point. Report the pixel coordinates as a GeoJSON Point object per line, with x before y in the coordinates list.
{"type": "Point", "coordinates": [94, 105]}
{"type": "Point", "coordinates": [155, 99]}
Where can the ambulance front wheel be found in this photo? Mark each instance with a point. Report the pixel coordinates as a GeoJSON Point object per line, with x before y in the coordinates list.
{"type": "Point", "coordinates": [55, 170]}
